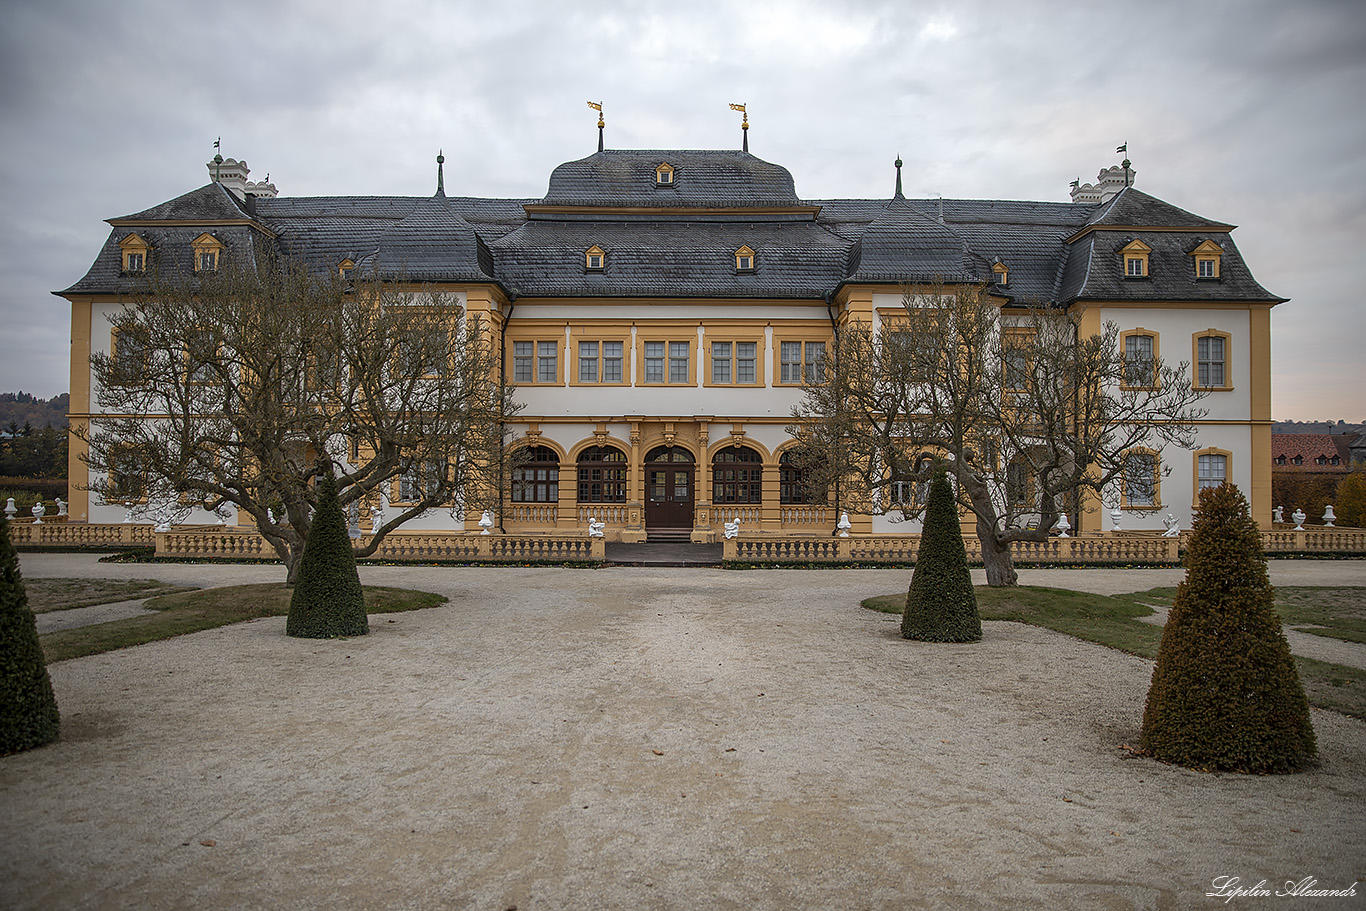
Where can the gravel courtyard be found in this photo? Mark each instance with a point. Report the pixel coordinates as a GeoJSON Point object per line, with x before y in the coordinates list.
{"type": "Point", "coordinates": [629, 738]}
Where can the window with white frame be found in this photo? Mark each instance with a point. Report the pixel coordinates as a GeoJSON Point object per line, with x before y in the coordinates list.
{"type": "Point", "coordinates": [734, 362]}
{"type": "Point", "coordinates": [801, 362]}
{"type": "Point", "coordinates": [1139, 360]}
{"type": "Point", "coordinates": [668, 362]}
{"type": "Point", "coordinates": [1210, 361]}
{"type": "Point", "coordinates": [1140, 479]}
{"type": "Point", "coordinates": [420, 480]}
{"type": "Point", "coordinates": [1213, 470]}
{"type": "Point", "coordinates": [600, 362]}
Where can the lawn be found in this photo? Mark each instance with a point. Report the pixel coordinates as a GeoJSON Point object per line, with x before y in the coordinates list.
{"type": "Point", "coordinates": [192, 611]}
{"type": "Point", "coordinates": [1114, 621]}
{"type": "Point", "coordinates": [46, 595]}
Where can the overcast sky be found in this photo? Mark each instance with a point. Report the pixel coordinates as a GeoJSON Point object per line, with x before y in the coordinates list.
{"type": "Point", "coordinates": [1245, 112]}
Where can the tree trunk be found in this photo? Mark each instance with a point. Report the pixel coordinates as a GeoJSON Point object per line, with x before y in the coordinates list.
{"type": "Point", "coordinates": [996, 557]}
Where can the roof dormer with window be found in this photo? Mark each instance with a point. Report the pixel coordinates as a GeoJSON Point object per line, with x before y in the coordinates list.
{"type": "Point", "coordinates": [208, 253]}
{"type": "Point", "coordinates": [134, 254]}
{"type": "Point", "coordinates": [595, 259]}
{"type": "Point", "coordinates": [1135, 256]}
{"type": "Point", "coordinates": [744, 259]}
{"type": "Point", "coordinates": [664, 174]}
{"type": "Point", "coordinates": [1000, 273]}
{"type": "Point", "coordinates": [1206, 257]}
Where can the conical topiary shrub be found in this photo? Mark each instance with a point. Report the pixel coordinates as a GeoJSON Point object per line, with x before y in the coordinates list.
{"type": "Point", "coordinates": [1225, 694]}
{"type": "Point", "coordinates": [28, 709]}
{"type": "Point", "coordinates": [327, 600]}
{"type": "Point", "coordinates": [941, 605]}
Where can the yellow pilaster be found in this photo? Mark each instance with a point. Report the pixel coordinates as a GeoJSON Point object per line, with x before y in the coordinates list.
{"type": "Point", "coordinates": [1259, 368]}
{"type": "Point", "coordinates": [1091, 510]}
{"type": "Point", "coordinates": [76, 471]}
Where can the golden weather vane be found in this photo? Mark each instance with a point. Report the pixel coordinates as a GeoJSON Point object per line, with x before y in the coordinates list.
{"type": "Point", "coordinates": [744, 122]}
{"type": "Point", "coordinates": [597, 106]}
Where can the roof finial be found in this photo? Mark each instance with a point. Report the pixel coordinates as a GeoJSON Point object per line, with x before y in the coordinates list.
{"type": "Point", "coordinates": [898, 177]}
{"type": "Point", "coordinates": [1126, 162]}
{"type": "Point", "coordinates": [744, 124]}
{"type": "Point", "coordinates": [597, 106]}
{"type": "Point", "coordinates": [217, 156]}
{"type": "Point", "coordinates": [440, 172]}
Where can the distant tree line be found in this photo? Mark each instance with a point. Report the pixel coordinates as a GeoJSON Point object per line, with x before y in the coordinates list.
{"type": "Point", "coordinates": [23, 408]}
{"type": "Point", "coordinates": [29, 453]}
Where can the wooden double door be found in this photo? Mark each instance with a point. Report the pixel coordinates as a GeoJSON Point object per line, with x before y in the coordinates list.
{"type": "Point", "coordinates": [670, 485]}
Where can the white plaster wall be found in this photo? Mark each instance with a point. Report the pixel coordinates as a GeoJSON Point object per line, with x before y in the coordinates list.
{"type": "Point", "coordinates": [1175, 330]}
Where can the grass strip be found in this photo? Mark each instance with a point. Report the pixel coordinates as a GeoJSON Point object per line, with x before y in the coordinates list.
{"type": "Point", "coordinates": [191, 612]}
{"type": "Point", "coordinates": [46, 595]}
{"type": "Point", "coordinates": [1114, 622]}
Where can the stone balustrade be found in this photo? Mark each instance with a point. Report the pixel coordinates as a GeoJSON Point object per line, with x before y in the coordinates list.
{"type": "Point", "coordinates": [78, 534]}
{"type": "Point", "coordinates": [805, 516]}
{"type": "Point", "coordinates": [212, 542]}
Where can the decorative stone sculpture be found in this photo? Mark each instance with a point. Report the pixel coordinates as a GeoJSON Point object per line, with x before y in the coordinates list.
{"type": "Point", "coordinates": [1115, 516]}
{"type": "Point", "coordinates": [61, 507]}
{"type": "Point", "coordinates": [221, 511]}
{"type": "Point", "coordinates": [1278, 514]}
{"type": "Point", "coordinates": [595, 528]}
{"type": "Point", "coordinates": [1173, 527]}
{"type": "Point", "coordinates": [1328, 516]}
{"type": "Point", "coordinates": [1298, 518]}
{"type": "Point", "coordinates": [732, 529]}
{"type": "Point", "coordinates": [39, 510]}
{"type": "Point", "coordinates": [353, 520]}
{"type": "Point", "coordinates": [270, 516]}
{"type": "Point", "coordinates": [128, 516]}
{"type": "Point", "coordinates": [376, 518]}
{"type": "Point", "coordinates": [486, 522]}
{"type": "Point", "coordinates": [1063, 526]}
{"type": "Point", "coordinates": [10, 509]}
{"type": "Point", "coordinates": [844, 524]}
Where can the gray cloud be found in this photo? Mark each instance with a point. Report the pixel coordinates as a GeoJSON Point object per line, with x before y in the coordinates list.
{"type": "Point", "coordinates": [1242, 111]}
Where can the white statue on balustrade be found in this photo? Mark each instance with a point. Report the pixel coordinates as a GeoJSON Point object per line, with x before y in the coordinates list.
{"type": "Point", "coordinates": [1063, 526]}
{"type": "Point", "coordinates": [1298, 517]}
{"type": "Point", "coordinates": [1173, 527]}
{"type": "Point", "coordinates": [39, 510]}
{"type": "Point", "coordinates": [1329, 516]}
{"type": "Point", "coordinates": [732, 529]}
{"type": "Point", "coordinates": [1278, 514]}
{"type": "Point", "coordinates": [595, 528]}
{"type": "Point", "coordinates": [486, 522]}
{"type": "Point", "coordinates": [844, 525]}
{"type": "Point", "coordinates": [10, 509]}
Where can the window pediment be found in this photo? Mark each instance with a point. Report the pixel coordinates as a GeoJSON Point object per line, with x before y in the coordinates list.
{"type": "Point", "coordinates": [1207, 256]}
{"type": "Point", "coordinates": [1135, 257]}
{"type": "Point", "coordinates": [133, 256]}
{"type": "Point", "coordinates": [208, 252]}
{"type": "Point", "coordinates": [595, 258]}
{"type": "Point", "coordinates": [664, 174]}
{"type": "Point", "coordinates": [745, 260]}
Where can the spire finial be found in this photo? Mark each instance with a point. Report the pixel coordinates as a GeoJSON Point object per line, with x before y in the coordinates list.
{"type": "Point", "coordinates": [1126, 162]}
{"type": "Point", "coordinates": [440, 172]}
{"type": "Point", "coordinates": [744, 124]}
{"type": "Point", "coordinates": [597, 106]}
{"type": "Point", "coordinates": [898, 177]}
{"type": "Point", "coordinates": [217, 156]}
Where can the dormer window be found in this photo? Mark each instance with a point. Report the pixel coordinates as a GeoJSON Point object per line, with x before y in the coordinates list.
{"type": "Point", "coordinates": [744, 259]}
{"type": "Point", "coordinates": [1001, 273]}
{"type": "Point", "coordinates": [134, 254]}
{"type": "Point", "coordinates": [664, 175]}
{"type": "Point", "coordinates": [207, 250]}
{"type": "Point", "coordinates": [595, 258]}
{"type": "Point", "coordinates": [1207, 260]}
{"type": "Point", "coordinates": [344, 268]}
{"type": "Point", "coordinates": [1280, 460]}
{"type": "Point", "coordinates": [1135, 255]}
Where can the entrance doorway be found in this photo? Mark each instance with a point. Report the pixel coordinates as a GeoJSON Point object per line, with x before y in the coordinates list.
{"type": "Point", "coordinates": [670, 479]}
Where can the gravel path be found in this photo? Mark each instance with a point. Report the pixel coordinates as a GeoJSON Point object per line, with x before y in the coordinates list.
{"type": "Point", "coordinates": [644, 738]}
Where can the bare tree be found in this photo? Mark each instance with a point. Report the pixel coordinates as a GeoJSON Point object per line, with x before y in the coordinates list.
{"type": "Point", "coordinates": [246, 385]}
{"type": "Point", "coordinates": [1027, 414]}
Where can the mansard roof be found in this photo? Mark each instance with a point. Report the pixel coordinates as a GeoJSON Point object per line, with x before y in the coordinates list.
{"type": "Point", "coordinates": [678, 240]}
{"type": "Point", "coordinates": [702, 179]}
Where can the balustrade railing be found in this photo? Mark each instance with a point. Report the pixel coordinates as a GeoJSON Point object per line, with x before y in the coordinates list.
{"type": "Point", "coordinates": [806, 516]}
{"type": "Point", "coordinates": [531, 514]}
{"type": "Point", "coordinates": [610, 514]}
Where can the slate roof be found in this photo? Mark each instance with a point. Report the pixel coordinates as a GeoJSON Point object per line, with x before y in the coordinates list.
{"type": "Point", "coordinates": [679, 240]}
{"type": "Point", "coordinates": [702, 179]}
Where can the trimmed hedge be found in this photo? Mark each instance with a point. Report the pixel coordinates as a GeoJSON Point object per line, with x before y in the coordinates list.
{"type": "Point", "coordinates": [28, 708]}
{"type": "Point", "coordinates": [327, 600]}
{"type": "Point", "coordinates": [941, 605]}
{"type": "Point", "coordinates": [1225, 693]}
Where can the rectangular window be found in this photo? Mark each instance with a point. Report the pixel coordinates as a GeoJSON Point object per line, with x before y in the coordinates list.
{"type": "Point", "coordinates": [720, 362]}
{"type": "Point", "coordinates": [1016, 377]}
{"type": "Point", "coordinates": [1133, 267]}
{"type": "Point", "coordinates": [746, 362]}
{"type": "Point", "coordinates": [654, 362]}
{"type": "Point", "coordinates": [208, 260]}
{"type": "Point", "coordinates": [791, 361]}
{"type": "Point", "coordinates": [678, 363]}
{"type": "Point", "coordinates": [134, 262]}
{"type": "Point", "coordinates": [1213, 470]}
{"type": "Point", "coordinates": [1210, 355]}
{"type": "Point", "coordinates": [1138, 360]}
{"type": "Point", "coordinates": [1140, 479]}
{"type": "Point", "coordinates": [419, 481]}
{"type": "Point", "coordinates": [547, 361]}
{"type": "Point", "coordinates": [588, 362]}
{"type": "Point", "coordinates": [815, 362]}
{"type": "Point", "coordinates": [611, 362]}
{"type": "Point", "coordinates": [1204, 268]}
{"type": "Point", "coordinates": [522, 361]}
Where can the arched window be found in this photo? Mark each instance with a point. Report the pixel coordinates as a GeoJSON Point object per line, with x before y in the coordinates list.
{"type": "Point", "coordinates": [537, 480]}
{"type": "Point", "coordinates": [602, 475]}
{"type": "Point", "coordinates": [737, 476]}
{"type": "Point", "coordinates": [791, 480]}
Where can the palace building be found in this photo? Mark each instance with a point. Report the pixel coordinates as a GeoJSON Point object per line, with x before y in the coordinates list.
{"type": "Point", "coordinates": [660, 310]}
